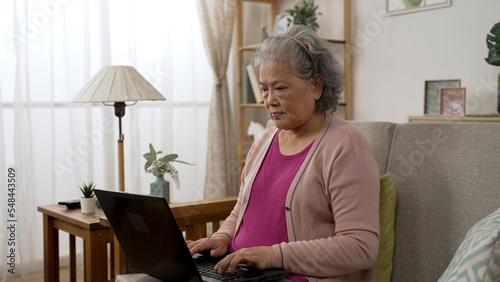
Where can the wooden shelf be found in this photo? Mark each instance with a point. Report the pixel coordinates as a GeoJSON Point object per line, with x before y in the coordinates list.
{"type": "Point", "coordinates": [252, 105]}
{"type": "Point", "coordinates": [244, 141]}
{"type": "Point", "coordinates": [455, 119]}
{"type": "Point", "coordinates": [248, 47]}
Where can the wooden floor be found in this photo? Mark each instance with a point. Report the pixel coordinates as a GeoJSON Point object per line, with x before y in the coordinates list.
{"type": "Point", "coordinates": [64, 276]}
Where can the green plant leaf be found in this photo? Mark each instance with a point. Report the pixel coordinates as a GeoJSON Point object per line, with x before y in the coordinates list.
{"type": "Point", "coordinates": [304, 13]}
{"type": "Point", "coordinates": [175, 176]}
{"type": "Point", "coordinates": [493, 58]}
{"type": "Point", "coordinates": [152, 150]}
{"type": "Point", "coordinates": [492, 41]}
{"type": "Point", "coordinates": [168, 158]}
{"type": "Point", "coordinates": [495, 29]}
{"type": "Point", "coordinates": [493, 44]}
{"type": "Point", "coordinates": [150, 157]}
{"type": "Point", "coordinates": [87, 189]}
{"type": "Point", "coordinates": [181, 162]}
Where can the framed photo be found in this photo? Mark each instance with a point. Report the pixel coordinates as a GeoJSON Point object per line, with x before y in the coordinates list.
{"type": "Point", "coordinates": [396, 7]}
{"type": "Point", "coordinates": [431, 95]}
{"type": "Point", "coordinates": [452, 101]}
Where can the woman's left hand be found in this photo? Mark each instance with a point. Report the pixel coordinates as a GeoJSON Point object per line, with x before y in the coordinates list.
{"type": "Point", "coordinates": [256, 257]}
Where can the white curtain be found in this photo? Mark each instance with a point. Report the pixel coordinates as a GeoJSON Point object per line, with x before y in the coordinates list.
{"type": "Point", "coordinates": [217, 19]}
{"type": "Point", "coordinates": [48, 51]}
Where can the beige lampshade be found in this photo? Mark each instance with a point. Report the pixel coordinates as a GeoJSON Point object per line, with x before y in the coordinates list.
{"type": "Point", "coordinates": [117, 84]}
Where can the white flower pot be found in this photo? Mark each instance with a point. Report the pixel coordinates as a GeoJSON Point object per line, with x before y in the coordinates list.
{"type": "Point", "coordinates": [88, 204]}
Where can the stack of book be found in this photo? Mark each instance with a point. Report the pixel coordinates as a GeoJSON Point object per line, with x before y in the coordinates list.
{"type": "Point", "coordinates": [250, 86]}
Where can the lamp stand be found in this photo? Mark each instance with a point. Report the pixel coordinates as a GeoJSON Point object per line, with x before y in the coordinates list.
{"type": "Point", "coordinates": [121, 165]}
{"type": "Point", "coordinates": [120, 112]}
{"type": "Point", "coordinates": [121, 265]}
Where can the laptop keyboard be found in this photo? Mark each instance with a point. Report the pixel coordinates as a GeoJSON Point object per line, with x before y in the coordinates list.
{"type": "Point", "coordinates": [206, 268]}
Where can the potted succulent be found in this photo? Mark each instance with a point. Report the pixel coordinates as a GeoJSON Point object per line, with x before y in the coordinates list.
{"type": "Point", "coordinates": [158, 167]}
{"type": "Point", "coordinates": [493, 44]}
{"type": "Point", "coordinates": [88, 201]}
{"type": "Point", "coordinates": [304, 12]}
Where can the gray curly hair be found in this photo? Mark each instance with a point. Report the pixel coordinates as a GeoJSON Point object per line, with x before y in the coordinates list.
{"type": "Point", "coordinates": [284, 50]}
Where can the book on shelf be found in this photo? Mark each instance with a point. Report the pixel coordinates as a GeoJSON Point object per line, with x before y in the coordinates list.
{"type": "Point", "coordinates": [247, 96]}
{"type": "Point", "coordinates": [254, 81]}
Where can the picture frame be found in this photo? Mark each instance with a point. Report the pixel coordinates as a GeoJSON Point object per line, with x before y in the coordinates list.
{"type": "Point", "coordinates": [431, 93]}
{"type": "Point", "coordinates": [452, 101]}
{"type": "Point", "coordinates": [396, 7]}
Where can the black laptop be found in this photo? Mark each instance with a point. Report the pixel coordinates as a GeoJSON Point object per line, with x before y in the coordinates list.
{"type": "Point", "coordinates": [153, 243]}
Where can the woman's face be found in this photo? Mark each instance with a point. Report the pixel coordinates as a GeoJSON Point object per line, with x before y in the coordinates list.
{"type": "Point", "coordinates": [289, 100]}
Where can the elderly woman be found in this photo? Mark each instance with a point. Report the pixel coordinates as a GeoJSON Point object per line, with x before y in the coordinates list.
{"type": "Point", "coordinates": [309, 196]}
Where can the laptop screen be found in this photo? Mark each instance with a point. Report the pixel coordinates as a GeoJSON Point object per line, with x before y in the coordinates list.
{"type": "Point", "coordinates": [149, 235]}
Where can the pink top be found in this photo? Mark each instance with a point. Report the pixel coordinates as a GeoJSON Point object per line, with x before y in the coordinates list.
{"type": "Point", "coordinates": [264, 222]}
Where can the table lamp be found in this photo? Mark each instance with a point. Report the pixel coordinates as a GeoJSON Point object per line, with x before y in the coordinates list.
{"type": "Point", "coordinates": [118, 84]}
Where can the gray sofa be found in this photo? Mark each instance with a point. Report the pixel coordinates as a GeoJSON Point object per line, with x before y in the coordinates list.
{"type": "Point", "coordinates": [447, 177]}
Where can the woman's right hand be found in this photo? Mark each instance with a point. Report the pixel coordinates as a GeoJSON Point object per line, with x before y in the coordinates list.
{"type": "Point", "coordinates": [218, 246]}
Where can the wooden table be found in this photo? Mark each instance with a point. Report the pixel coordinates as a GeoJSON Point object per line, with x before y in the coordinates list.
{"type": "Point", "coordinates": [95, 236]}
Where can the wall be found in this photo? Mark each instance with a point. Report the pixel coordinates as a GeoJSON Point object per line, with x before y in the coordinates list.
{"type": "Point", "coordinates": [393, 56]}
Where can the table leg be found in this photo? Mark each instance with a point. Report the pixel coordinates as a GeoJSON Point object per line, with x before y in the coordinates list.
{"type": "Point", "coordinates": [51, 250]}
{"type": "Point", "coordinates": [96, 256]}
{"type": "Point", "coordinates": [72, 258]}
{"type": "Point", "coordinates": [120, 261]}
{"type": "Point", "coordinates": [112, 260]}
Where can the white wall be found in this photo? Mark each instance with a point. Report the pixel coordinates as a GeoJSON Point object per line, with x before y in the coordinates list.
{"type": "Point", "coordinates": [393, 56]}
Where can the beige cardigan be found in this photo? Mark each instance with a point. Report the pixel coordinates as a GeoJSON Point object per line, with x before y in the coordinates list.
{"type": "Point", "coordinates": [331, 208]}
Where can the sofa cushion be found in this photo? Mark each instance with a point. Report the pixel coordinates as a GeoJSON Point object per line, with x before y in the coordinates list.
{"type": "Point", "coordinates": [447, 180]}
{"type": "Point", "coordinates": [379, 137]}
{"type": "Point", "coordinates": [386, 246]}
{"type": "Point", "coordinates": [478, 257]}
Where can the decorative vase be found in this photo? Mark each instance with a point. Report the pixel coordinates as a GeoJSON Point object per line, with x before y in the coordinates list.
{"type": "Point", "coordinates": [88, 204]}
{"type": "Point", "coordinates": [160, 187]}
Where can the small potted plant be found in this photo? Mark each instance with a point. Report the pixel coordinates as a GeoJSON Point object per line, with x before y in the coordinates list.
{"type": "Point", "coordinates": [158, 167]}
{"type": "Point", "coordinates": [88, 201]}
{"type": "Point", "coordinates": [304, 12]}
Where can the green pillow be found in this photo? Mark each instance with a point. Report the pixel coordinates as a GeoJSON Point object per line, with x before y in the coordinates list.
{"type": "Point", "coordinates": [387, 216]}
{"type": "Point", "coordinates": [478, 256]}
